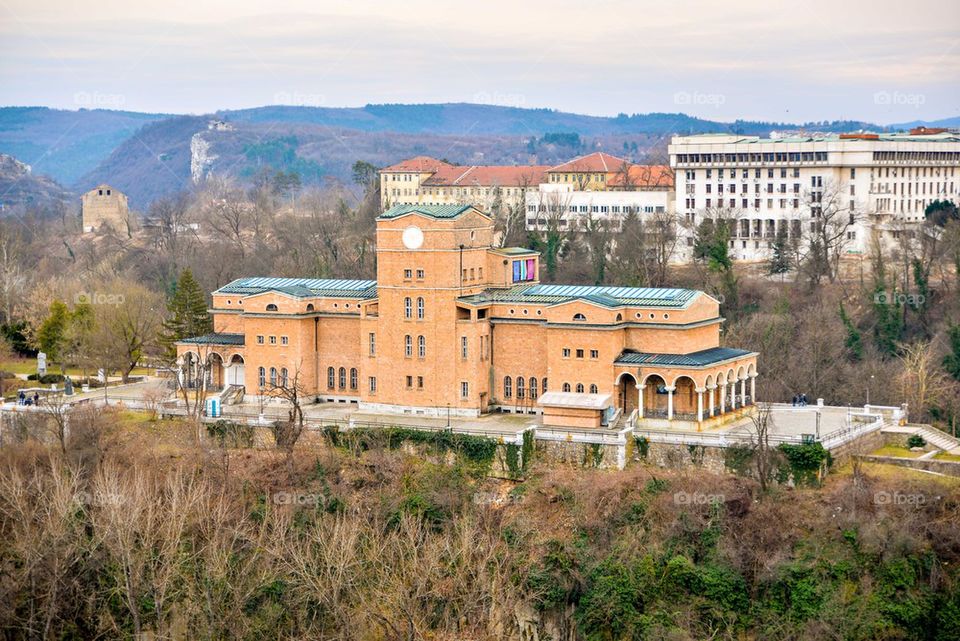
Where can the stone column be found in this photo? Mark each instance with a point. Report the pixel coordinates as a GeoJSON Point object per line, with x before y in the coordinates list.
{"type": "Point", "coordinates": [710, 398]}
{"type": "Point", "coordinates": [640, 401]}
{"type": "Point", "coordinates": [670, 391]}
{"type": "Point", "coordinates": [733, 394]}
{"type": "Point", "coordinates": [743, 391]}
{"type": "Point", "coordinates": [753, 388]}
{"type": "Point", "coordinates": [699, 404]}
{"type": "Point", "coordinates": [723, 398]}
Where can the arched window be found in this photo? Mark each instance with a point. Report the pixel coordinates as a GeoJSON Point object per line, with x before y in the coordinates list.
{"type": "Point", "coordinates": [342, 378]}
{"type": "Point", "coordinates": [544, 385]}
{"type": "Point", "coordinates": [419, 309]}
{"type": "Point", "coordinates": [273, 376]}
{"type": "Point", "coordinates": [507, 387]}
{"type": "Point", "coordinates": [593, 388]}
{"type": "Point", "coordinates": [261, 377]}
{"type": "Point", "coordinates": [566, 387]}
{"type": "Point", "coordinates": [579, 317]}
{"type": "Point", "coordinates": [408, 307]}
{"type": "Point", "coordinates": [521, 392]}
{"type": "Point", "coordinates": [271, 307]}
{"type": "Point", "coordinates": [579, 388]}
{"type": "Point", "coordinates": [619, 317]}
{"type": "Point", "coordinates": [533, 388]}
{"type": "Point", "coordinates": [353, 378]}
{"type": "Point", "coordinates": [309, 307]}
{"type": "Point", "coordinates": [331, 378]}
{"type": "Point", "coordinates": [408, 345]}
{"type": "Point", "coordinates": [421, 347]}
{"type": "Point", "coordinates": [283, 377]}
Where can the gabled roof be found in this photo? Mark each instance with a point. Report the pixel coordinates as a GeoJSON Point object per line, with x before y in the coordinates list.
{"type": "Point", "coordinates": [642, 176]}
{"type": "Point", "coordinates": [488, 176]}
{"type": "Point", "coordinates": [600, 295]}
{"type": "Point", "coordinates": [694, 359]}
{"type": "Point", "coordinates": [431, 211]}
{"type": "Point", "coordinates": [418, 164]}
{"type": "Point", "coordinates": [595, 162]}
{"type": "Point", "coordinates": [301, 287]}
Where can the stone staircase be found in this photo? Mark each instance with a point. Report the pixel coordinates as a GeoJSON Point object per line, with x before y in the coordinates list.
{"type": "Point", "coordinates": [232, 395]}
{"type": "Point", "coordinates": [937, 438]}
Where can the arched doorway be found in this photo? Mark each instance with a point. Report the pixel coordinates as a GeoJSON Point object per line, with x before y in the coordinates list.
{"type": "Point", "coordinates": [655, 397]}
{"type": "Point", "coordinates": [685, 399]}
{"type": "Point", "coordinates": [627, 394]}
{"type": "Point", "coordinates": [235, 371]}
{"type": "Point", "coordinates": [214, 371]}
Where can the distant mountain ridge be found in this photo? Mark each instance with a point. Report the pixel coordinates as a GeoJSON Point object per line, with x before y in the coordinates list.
{"type": "Point", "coordinates": [149, 155]}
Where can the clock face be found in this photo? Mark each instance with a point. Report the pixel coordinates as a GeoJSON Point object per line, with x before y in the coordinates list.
{"type": "Point", "coordinates": [412, 237]}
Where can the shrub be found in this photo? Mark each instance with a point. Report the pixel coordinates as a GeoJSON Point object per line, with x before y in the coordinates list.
{"type": "Point", "coordinates": [915, 440]}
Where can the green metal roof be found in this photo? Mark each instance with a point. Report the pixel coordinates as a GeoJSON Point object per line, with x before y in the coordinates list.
{"type": "Point", "coordinates": [433, 211]}
{"type": "Point", "coordinates": [302, 287]}
{"type": "Point", "coordinates": [515, 251]}
{"type": "Point", "coordinates": [694, 359]}
{"type": "Point", "coordinates": [215, 338]}
{"type": "Point", "coordinates": [600, 295]}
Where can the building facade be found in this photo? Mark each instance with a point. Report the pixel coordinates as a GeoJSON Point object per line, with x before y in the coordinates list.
{"type": "Point", "coordinates": [880, 183]}
{"type": "Point", "coordinates": [102, 207]}
{"type": "Point", "coordinates": [455, 326]}
{"type": "Point", "coordinates": [597, 185]}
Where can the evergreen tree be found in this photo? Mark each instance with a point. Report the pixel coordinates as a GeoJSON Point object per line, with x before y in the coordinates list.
{"type": "Point", "coordinates": [854, 341]}
{"type": "Point", "coordinates": [889, 328]}
{"type": "Point", "coordinates": [52, 332]}
{"type": "Point", "coordinates": [188, 313]}
{"type": "Point", "coordinates": [780, 261]}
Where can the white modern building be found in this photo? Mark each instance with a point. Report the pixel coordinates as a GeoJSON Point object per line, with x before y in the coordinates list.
{"type": "Point", "coordinates": [566, 206]}
{"type": "Point", "coordinates": [883, 182]}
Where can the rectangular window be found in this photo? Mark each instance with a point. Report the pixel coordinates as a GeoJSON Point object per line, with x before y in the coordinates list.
{"type": "Point", "coordinates": [579, 353]}
{"type": "Point", "coordinates": [420, 382]}
{"type": "Point", "coordinates": [594, 353]}
{"type": "Point", "coordinates": [463, 347]}
{"type": "Point", "coordinates": [273, 340]}
{"type": "Point", "coordinates": [373, 344]}
{"type": "Point", "coordinates": [284, 340]}
{"type": "Point", "coordinates": [259, 340]}
{"type": "Point", "coordinates": [566, 352]}
{"type": "Point", "coordinates": [524, 270]}
{"type": "Point", "coordinates": [373, 384]}
{"type": "Point", "coordinates": [408, 274]}
{"type": "Point", "coordinates": [419, 274]}
{"type": "Point", "coordinates": [409, 382]}
{"type": "Point", "coordinates": [464, 389]}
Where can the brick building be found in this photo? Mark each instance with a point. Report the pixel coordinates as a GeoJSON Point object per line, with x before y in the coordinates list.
{"type": "Point", "coordinates": [453, 325]}
{"type": "Point", "coordinates": [103, 207]}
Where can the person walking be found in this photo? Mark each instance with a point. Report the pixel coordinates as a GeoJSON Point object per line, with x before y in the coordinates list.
{"type": "Point", "coordinates": [21, 398]}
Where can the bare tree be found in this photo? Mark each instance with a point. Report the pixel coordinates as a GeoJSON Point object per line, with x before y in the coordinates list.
{"type": "Point", "coordinates": [832, 217]}
{"type": "Point", "coordinates": [287, 433]}
{"type": "Point", "coordinates": [764, 457]}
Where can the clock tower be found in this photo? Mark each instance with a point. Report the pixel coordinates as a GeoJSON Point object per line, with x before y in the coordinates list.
{"type": "Point", "coordinates": [426, 350]}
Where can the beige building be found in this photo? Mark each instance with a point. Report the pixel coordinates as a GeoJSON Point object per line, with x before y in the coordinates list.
{"type": "Point", "coordinates": [455, 326]}
{"type": "Point", "coordinates": [104, 206]}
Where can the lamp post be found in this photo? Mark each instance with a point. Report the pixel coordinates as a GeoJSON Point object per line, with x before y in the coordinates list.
{"type": "Point", "coordinates": [448, 416]}
{"type": "Point", "coordinates": [869, 382]}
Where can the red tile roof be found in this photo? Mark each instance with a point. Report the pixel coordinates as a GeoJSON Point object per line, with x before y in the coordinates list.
{"type": "Point", "coordinates": [418, 164]}
{"type": "Point", "coordinates": [643, 176]}
{"type": "Point", "coordinates": [595, 162]}
{"type": "Point", "coordinates": [489, 175]}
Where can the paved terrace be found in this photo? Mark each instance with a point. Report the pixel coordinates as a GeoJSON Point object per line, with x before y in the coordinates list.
{"type": "Point", "coordinates": [834, 425]}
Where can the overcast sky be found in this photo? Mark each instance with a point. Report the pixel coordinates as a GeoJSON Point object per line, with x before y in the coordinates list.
{"type": "Point", "coordinates": [877, 60]}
